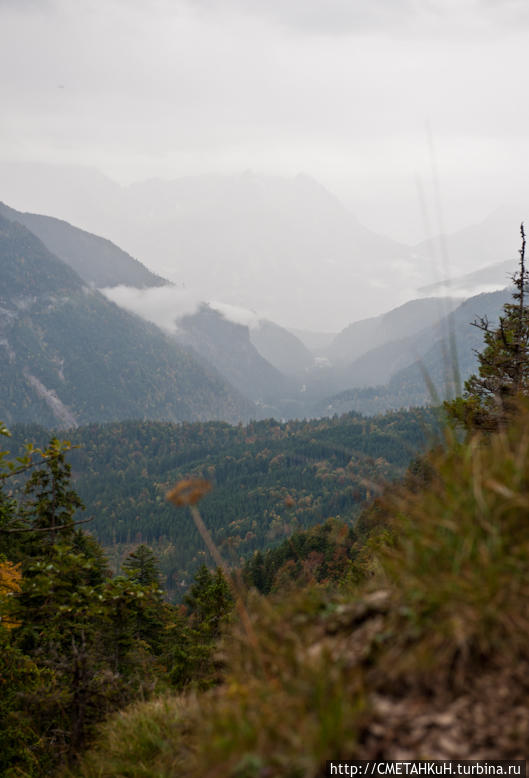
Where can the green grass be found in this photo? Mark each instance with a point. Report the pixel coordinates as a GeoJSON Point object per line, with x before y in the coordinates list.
{"type": "Point", "coordinates": [140, 742]}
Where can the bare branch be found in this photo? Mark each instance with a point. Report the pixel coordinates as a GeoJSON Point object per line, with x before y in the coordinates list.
{"type": "Point", "coordinates": [482, 323]}
{"type": "Point", "coordinates": [47, 529]}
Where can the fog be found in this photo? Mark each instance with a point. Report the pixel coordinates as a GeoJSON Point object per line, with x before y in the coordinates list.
{"type": "Point", "coordinates": [411, 113]}
{"type": "Point", "coordinates": [164, 305]}
{"type": "Point", "coordinates": [161, 305]}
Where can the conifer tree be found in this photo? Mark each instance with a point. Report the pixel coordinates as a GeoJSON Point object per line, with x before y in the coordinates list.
{"type": "Point", "coordinates": [74, 642]}
{"type": "Point", "coordinates": [51, 501]}
{"type": "Point", "coordinates": [141, 566]}
{"type": "Point", "coordinates": [490, 397]}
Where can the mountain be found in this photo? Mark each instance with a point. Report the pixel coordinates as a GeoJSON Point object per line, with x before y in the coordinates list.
{"type": "Point", "coordinates": [495, 239]}
{"type": "Point", "coordinates": [69, 356]}
{"type": "Point", "coordinates": [490, 278]}
{"type": "Point", "coordinates": [436, 362]}
{"type": "Point", "coordinates": [401, 322]}
{"type": "Point", "coordinates": [429, 378]}
{"type": "Point", "coordinates": [284, 247]}
{"type": "Point", "coordinates": [228, 347]}
{"type": "Point", "coordinates": [281, 348]}
{"type": "Point", "coordinates": [97, 261]}
{"type": "Point", "coordinates": [316, 342]}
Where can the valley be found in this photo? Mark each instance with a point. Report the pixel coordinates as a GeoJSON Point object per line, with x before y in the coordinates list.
{"type": "Point", "coordinates": [322, 462]}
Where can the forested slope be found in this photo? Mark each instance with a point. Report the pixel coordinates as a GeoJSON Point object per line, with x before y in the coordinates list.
{"type": "Point", "coordinates": [70, 356]}
{"type": "Point", "coordinates": [421, 653]}
{"type": "Point", "coordinates": [269, 479]}
{"type": "Point", "coordinates": [97, 261]}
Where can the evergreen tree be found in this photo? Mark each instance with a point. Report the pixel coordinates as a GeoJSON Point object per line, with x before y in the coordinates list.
{"type": "Point", "coordinates": [191, 641]}
{"type": "Point", "coordinates": [51, 502]}
{"type": "Point", "coordinates": [141, 566]}
{"type": "Point", "coordinates": [142, 572]}
{"type": "Point", "coordinates": [490, 397]}
{"type": "Point", "coordinates": [209, 601]}
{"type": "Point", "coordinates": [74, 643]}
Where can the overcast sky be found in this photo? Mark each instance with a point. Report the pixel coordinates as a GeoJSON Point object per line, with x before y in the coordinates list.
{"type": "Point", "coordinates": [342, 90]}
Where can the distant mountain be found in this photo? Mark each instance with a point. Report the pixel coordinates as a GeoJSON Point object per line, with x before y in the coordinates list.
{"type": "Point", "coordinates": [285, 247]}
{"type": "Point", "coordinates": [281, 348]}
{"type": "Point", "coordinates": [401, 322]}
{"type": "Point", "coordinates": [229, 348]}
{"type": "Point", "coordinates": [316, 342]}
{"type": "Point", "coordinates": [490, 278]}
{"type": "Point", "coordinates": [436, 362]}
{"type": "Point", "coordinates": [96, 260]}
{"type": "Point", "coordinates": [412, 384]}
{"type": "Point", "coordinates": [496, 239]}
{"type": "Point", "coordinates": [69, 356]}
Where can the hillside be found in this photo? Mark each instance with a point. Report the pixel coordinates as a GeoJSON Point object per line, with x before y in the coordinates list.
{"type": "Point", "coordinates": [270, 479]}
{"type": "Point", "coordinates": [97, 261]}
{"type": "Point", "coordinates": [283, 246]}
{"type": "Point", "coordinates": [488, 278]}
{"type": "Point", "coordinates": [281, 348]}
{"type": "Point", "coordinates": [398, 323]}
{"type": "Point", "coordinates": [473, 248]}
{"type": "Point", "coordinates": [409, 369]}
{"type": "Point", "coordinates": [396, 629]}
{"type": "Point", "coordinates": [228, 346]}
{"type": "Point", "coordinates": [71, 356]}
{"type": "Point", "coordinates": [419, 654]}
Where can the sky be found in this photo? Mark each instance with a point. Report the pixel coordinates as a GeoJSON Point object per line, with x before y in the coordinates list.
{"type": "Point", "coordinates": [377, 100]}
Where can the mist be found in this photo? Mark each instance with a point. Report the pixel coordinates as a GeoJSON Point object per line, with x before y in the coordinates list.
{"type": "Point", "coordinates": [165, 305]}
{"type": "Point", "coordinates": [406, 114]}
{"type": "Point", "coordinates": [161, 305]}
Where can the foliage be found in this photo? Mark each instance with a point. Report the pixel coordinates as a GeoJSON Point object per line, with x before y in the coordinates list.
{"type": "Point", "coordinates": [75, 643]}
{"type": "Point", "coordinates": [141, 566]}
{"type": "Point", "coordinates": [192, 641]}
{"type": "Point", "coordinates": [490, 397]}
{"type": "Point", "coordinates": [424, 658]}
{"type": "Point", "coordinates": [323, 554]}
{"type": "Point", "coordinates": [270, 480]}
{"type": "Point", "coordinates": [10, 578]}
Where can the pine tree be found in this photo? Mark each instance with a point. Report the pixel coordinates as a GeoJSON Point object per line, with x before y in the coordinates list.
{"type": "Point", "coordinates": [490, 397]}
{"type": "Point", "coordinates": [51, 501]}
{"type": "Point", "coordinates": [75, 643]}
{"type": "Point", "coordinates": [141, 566]}
{"type": "Point", "coordinates": [192, 638]}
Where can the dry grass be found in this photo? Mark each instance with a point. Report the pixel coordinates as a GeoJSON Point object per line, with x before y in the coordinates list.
{"type": "Point", "coordinates": [426, 657]}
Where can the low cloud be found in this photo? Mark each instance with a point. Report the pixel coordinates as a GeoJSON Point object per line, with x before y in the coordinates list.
{"type": "Point", "coordinates": [161, 305]}
{"type": "Point", "coordinates": [165, 305]}
{"type": "Point", "coordinates": [236, 314]}
{"type": "Point", "coordinates": [464, 292]}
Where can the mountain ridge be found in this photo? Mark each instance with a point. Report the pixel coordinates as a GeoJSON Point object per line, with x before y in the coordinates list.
{"type": "Point", "coordinates": [97, 260]}
{"type": "Point", "coordinates": [72, 357]}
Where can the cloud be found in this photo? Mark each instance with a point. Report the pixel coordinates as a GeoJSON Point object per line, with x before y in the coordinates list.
{"type": "Point", "coordinates": [320, 16]}
{"type": "Point", "coordinates": [350, 17]}
{"type": "Point", "coordinates": [464, 292]}
{"type": "Point", "coordinates": [339, 89]}
{"type": "Point", "coordinates": [24, 5]}
{"type": "Point", "coordinates": [160, 305]}
{"type": "Point", "coordinates": [508, 12]}
{"type": "Point", "coordinates": [236, 314]}
{"type": "Point", "coordinates": [164, 305]}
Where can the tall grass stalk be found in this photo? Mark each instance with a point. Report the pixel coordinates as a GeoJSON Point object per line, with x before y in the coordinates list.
{"type": "Point", "coordinates": [188, 493]}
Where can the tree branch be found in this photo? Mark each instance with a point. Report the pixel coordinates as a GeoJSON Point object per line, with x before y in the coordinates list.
{"type": "Point", "coordinates": [47, 529]}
